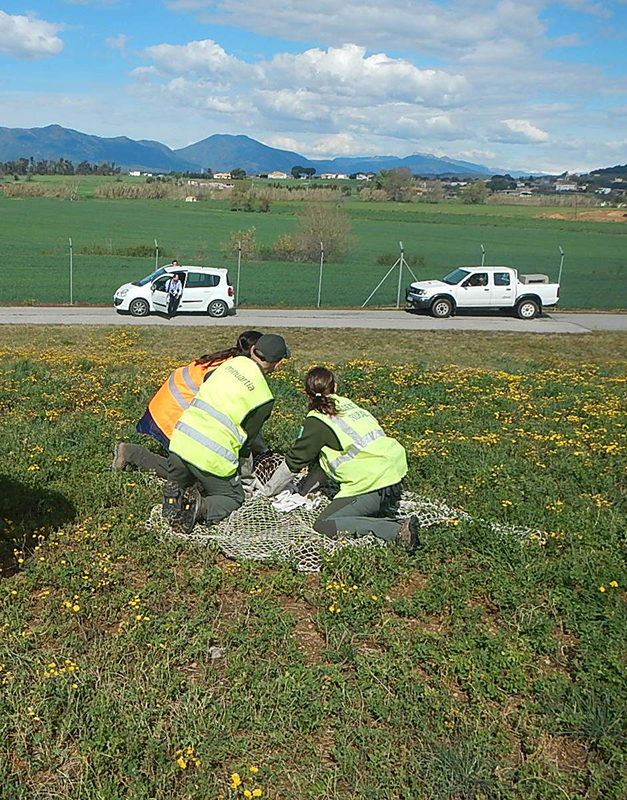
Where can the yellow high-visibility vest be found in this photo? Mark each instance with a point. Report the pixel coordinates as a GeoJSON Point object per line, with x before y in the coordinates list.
{"type": "Point", "coordinates": [368, 459]}
{"type": "Point", "coordinates": [209, 434]}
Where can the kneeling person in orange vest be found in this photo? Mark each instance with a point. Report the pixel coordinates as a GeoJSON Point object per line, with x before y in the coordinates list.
{"type": "Point", "coordinates": [351, 448]}
{"type": "Point", "coordinates": [169, 402]}
{"type": "Point", "coordinates": [215, 432]}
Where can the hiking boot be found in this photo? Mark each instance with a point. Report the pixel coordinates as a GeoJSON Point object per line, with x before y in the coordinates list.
{"type": "Point", "coordinates": [409, 535]}
{"type": "Point", "coordinates": [191, 512]}
{"type": "Point", "coordinates": [119, 459]}
{"type": "Point", "coordinates": [172, 501]}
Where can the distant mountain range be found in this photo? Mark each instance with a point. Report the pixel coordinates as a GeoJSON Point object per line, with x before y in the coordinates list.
{"type": "Point", "coordinates": [220, 152]}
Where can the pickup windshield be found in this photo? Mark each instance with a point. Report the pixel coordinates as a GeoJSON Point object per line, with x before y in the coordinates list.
{"type": "Point", "coordinates": [150, 277]}
{"type": "Point", "coordinates": [455, 276]}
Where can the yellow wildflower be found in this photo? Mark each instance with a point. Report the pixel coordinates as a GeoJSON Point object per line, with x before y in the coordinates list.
{"type": "Point", "coordinates": [235, 780]}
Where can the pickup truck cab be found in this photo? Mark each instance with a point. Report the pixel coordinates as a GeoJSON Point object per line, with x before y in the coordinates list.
{"type": "Point", "coordinates": [484, 287]}
{"type": "Point", "coordinates": [206, 290]}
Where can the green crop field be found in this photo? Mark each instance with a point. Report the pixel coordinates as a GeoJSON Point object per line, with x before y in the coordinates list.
{"type": "Point", "coordinates": [34, 236]}
{"type": "Point", "coordinates": [489, 666]}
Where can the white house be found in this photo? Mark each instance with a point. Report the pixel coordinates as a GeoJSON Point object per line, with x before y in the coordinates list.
{"type": "Point", "coordinates": [222, 176]}
{"type": "Point", "coordinates": [565, 187]}
{"type": "Point", "coordinates": [135, 173]}
{"type": "Point", "coordinates": [281, 176]}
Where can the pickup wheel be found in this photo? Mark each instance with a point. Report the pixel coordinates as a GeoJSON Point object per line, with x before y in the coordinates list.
{"type": "Point", "coordinates": [527, 309]}
{"type": "Point", "coordinates": [441, 308]}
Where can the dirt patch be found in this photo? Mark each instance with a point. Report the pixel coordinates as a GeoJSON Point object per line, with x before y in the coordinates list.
{"type": "Point", "coordinates": [597, 215]}
{"type": "Point", "coordinates": [413, 583]}
{"type": "Point", "coordinates": [565, 753]}
{"type": "Point", "coordinates": [308, 638]}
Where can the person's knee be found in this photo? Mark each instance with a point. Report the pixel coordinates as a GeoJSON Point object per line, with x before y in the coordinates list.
{"type": "Point", "coordinates": [325, 527]}
{"type": "Point", "coordinates": [219, 507]}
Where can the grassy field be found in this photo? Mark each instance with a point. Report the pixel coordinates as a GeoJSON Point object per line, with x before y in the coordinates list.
{"type": "Point", "coordinates": [34, 236]}
{"type": "Point", "coordinates": [488, 667]}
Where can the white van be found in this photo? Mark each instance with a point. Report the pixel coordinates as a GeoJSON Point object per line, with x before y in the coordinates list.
{"type": "Point", "coordinates": [205, 289]}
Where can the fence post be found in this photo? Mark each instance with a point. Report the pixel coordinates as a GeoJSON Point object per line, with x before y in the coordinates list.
{"type": "Point", "coordinates": [401, 261]}
{"type": "Point", "coordinates": [559, 277]}
{"type": "Point", "coordinates": [156, 255]}
{"type": "Point", "coordinates": [482, 255]}
{"type": "Point", "coordinates": [320, 277]}
{"type": "Point", "coordinates": [239, 269]}
{"type": "Point", "coordinates": [71, 271]}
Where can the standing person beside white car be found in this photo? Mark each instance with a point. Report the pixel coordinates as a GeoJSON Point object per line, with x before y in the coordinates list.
{"type": "Point", "coordinates": [174, 290]}
{"type": "Point", "coordinates": [206, 290]}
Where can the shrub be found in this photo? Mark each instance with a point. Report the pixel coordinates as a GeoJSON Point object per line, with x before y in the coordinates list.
{"type": "Point", "coordinates": [322, 223]}
{"type": "Point", "coordinates": [248, 242]}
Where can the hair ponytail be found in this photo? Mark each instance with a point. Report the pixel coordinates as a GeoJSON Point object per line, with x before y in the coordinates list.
{"type": "Point", "coordinates": [245, 341]}
{"type": "Point", "coordinates": [319, 384]}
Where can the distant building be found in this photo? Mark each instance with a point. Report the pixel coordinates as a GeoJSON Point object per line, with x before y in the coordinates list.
{"type": "Point", "coordinates": [135, 173]}
{"type": "Point", "coordinates": [565, 186]}
{"type": "Point", "coordinates": [333, 176]}
{"type": "Point", "coordinates": [223, 176]}
{"type": "Point", "coordinates": [361, 176]}
{"type": "Point", "coordinates": [280, 176]}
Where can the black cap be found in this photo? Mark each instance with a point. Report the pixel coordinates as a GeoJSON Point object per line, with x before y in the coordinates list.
{"type": "Point", "coordinates": [271, 348]}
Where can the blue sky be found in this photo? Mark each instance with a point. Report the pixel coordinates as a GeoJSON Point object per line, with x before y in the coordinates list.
{"type": "Point", "coordinates": [518, 84]}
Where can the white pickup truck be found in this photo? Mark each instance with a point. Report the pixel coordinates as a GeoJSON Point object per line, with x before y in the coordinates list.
{"type": "Point", "coordinates": [484, 287]}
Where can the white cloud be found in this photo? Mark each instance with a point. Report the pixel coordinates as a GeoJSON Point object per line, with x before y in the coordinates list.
{"type": "Point", "coordinates": [28, 37]}
{"type": "Point", "coordinates": [425, 26]}
{"type": "Point", "coordinates": [203, 58]}
{"type": "Point", "coordinates": [340, 144]}
{"type": "Point", "coordinates": [118, 42]}
{"type": "Point", "coordinates": [518, 131]}
{"type": "Point", "coordinates": [347, 71]}
{"type": "Point", "coordinates": [283, 142]}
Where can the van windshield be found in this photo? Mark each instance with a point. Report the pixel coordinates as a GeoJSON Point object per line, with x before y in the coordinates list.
{"type": "Point", "coordinates": [455, 276]}
{"type": "Point", "coordinates": [150, 277]}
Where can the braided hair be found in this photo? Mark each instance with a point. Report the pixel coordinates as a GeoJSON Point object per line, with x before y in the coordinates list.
{"type": "Point", "coordinates": [319, 384]}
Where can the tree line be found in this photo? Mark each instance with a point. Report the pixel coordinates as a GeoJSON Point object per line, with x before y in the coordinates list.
{"type": "Point", "coordinates": [45, 166]}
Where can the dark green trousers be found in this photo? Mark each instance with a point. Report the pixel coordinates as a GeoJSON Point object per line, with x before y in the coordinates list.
{"type": "Point", "coordinates": [372, 512]}
{"type": "Point", "coordinates": [145, 459]}
{"type": "Point", "coordinates": [222, 495]}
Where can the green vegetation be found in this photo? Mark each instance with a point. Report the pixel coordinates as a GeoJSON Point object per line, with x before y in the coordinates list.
{"type": "Point", "coordinates": [36, 230]}
{"type": "Point", "coordinates": [489, 667]}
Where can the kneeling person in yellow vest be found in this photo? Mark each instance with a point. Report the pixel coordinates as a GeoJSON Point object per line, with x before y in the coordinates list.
{"type": "Point", "coordinates": [350, 447]}
{"type": "Point", "coordinates": [216, 430]}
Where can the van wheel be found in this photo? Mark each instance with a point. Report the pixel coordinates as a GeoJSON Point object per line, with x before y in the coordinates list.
{"type": "Point", "coordinates": [527, 309]}
{"type": "Point", "coordinates": [441, 308]}
{"type": "Point", "coordinates": [139, 308]}
{"type": "Point", "coordinates": [218, 308]}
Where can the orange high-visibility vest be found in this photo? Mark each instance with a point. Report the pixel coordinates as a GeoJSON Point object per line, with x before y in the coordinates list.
{"type": "Point", "coordinates": [177, 393]}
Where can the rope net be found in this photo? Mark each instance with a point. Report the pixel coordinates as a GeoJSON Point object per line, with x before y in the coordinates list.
{"type": "Point", "coordinates": [258, 531]}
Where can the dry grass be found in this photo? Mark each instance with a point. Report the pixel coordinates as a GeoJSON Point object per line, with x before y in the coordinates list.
{"type": "Point", "coordinates": [431, 348]}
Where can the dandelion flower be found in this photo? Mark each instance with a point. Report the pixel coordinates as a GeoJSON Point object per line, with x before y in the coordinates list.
{"type": "Point", "coordinates": [601, 588]}
{"type": "Point", "coordinates": [613, 584]}
{"type": "Point", "coordinates": [235, 780]}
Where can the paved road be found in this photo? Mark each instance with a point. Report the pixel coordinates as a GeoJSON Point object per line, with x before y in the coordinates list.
{"type": "Point", "coordinates": [560, 322]}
